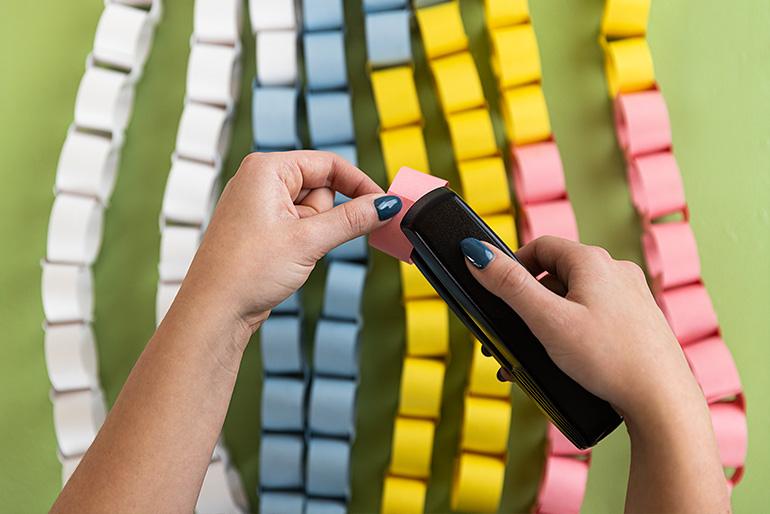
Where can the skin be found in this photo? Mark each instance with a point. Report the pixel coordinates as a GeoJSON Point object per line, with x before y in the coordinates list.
{"type": "Point", "coordinates": [274, 221]}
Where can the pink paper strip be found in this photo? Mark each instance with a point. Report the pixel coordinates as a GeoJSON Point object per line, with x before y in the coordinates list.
{"type": "Point", "coordinates": [714, 368]}
{"type": "Point", "coordinates": [410, 185]}
{"type": "Point", "coordinates": [729, 421]}
{"type": "Point", "coordinates": [560, 445]}
{"type": "Point", "coordinates": [671, 254]}
{"type": "Point", "coordinates": [656, 185]}
{"type": "Point", "coordinates": [550, 218]}
{"type": "Point", "coordinates": [537, 173]}
{"type": "Point", "coordinates": [641, 121]}
{"type": "Point", "coordinates": [689, 311]}
{"type": "Point", "coordinates": [563, 486]}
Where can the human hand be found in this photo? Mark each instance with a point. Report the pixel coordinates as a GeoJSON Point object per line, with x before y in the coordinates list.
{"type": "Point", "coordinates": [275, 219]}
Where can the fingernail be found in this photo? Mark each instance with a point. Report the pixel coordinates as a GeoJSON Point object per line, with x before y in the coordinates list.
{"type": "Point", "coordinates": [387, 206]}
{"type": "Point", "coordinates": [475, 251]}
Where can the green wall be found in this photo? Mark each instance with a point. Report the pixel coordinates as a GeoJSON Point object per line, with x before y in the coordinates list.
{"type": "Point", "coordinates": [712, 60]}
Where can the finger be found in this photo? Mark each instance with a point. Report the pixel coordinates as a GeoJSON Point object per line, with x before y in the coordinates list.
{"type": "Point", "coordinates": [350, 220]}
{"type": "Point", "coordinates": [553, 284]}
{"type": "Point", "coordinates": [316, 201]}
{"type": "Point", "coordinates": [550, 254]}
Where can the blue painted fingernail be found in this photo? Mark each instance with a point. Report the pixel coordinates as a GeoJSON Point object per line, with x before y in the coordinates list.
{"type": "Point", "coordinates": [387, 206]}
{"type": "Point", "coordinates": [475, 251]}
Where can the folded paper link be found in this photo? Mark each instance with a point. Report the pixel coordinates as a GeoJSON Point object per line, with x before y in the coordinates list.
{"type": "Point", "coordinates": [316, 506]}
{"type": "Point", "coordinates": [505, 227]}
{"type": "Point", "coordinates": [70, 357]}
{"type": "Point", "coordinates": [563, 486]}
{"type": "Point", "coordinates": [422, 381]}
{"type": "Point", "coordinates": [729, 420]}
{"type": "Point", "coordinates": [283, 404]}
{"type": "Point", "coordinates": [689, 312]}
{"type": "Point", "coordinates": [502, 13]}
{"type": "Point", "coordinates": [478, 483]}
{"type": "Point", "coordinates": [281, 461]}
{"type": "Point", "coordinates": [218, 21]}
{"type": "Point", "coordinates": [190, 192]}
{"type": "Point", "coordinates": [624, 18]}
{"type": "Point", "coordinates": [67, 292]}
{"type": "Point", "coordinates": [371, 6]}
{"type": "Point", "coordinates": [427, 328]}
{"type": "Point", "coordinates": [554, 218]}
{"type": "Point", "coordinates": [514, 56]}
{"type": "Point", "coordinates": [104, 101]}
{"type": "Point", "coordinates": [472, 134]}
{"type": "Point", "coordinates": [164, 298]}
{"type": "Point", "coordinates": [323, 14]}
{"type": "Point", "coordinates": [457, 83]}
{"type": "Point", "coordinates": [87, 165]}
{"type": "Point", "coordinates": [388, 38]}
{"type": "Point", "coordinates": [74, 229]}
{"type": "Point", "coordinates": [403, 496]}
{"type": "Point", "coordinates": [77, 416]}
{"type": "Point", "coordinates": [485, 425]}
{"type": "Point", "coordinates": [714, 368]}
{"type": "Point", "coordinates": [204, 133]}
{"type": "Point", "coordinates": [328, 467]}
{"type": "Point", "coordinates": [414, 285]}
{"type": "Point", "coordinates": [285, 503]}
{"type": "Point", "coordinates": [336, 348]}
{"type": "Point", "coordinates": [276, 58]}
{"type": "Point", "coordinates": [558, 444]}
{"type": "Point", "coordinates": [330, 118]}
{"type": "Point", "coordinates": [344, 290]}
{"type": "Point", "coordinates": [395, 96]}
{"type": "Point", "coordinates": [483, 377]}
{"type": "Point", "coordinates": [281, 343]}
{"type": "Point", "coordinates": [641, 122]}
{"type": "Point", "coordinates": [325, 66]}
{"type": "Point", "coordinates": [177, 249]}
{"type": "Point", "coordinates": [68, 466]}
{"type": "Point", "coordinates": [272, 15]}
{"type": "Point", "coordinates": [123, 37]}
{"type": "Point", "coordinates": [538, 174]}
{"type": "Point", "coordinates": [214, 74]}
{"type": "Point", "coordinates": [526, 115]}
{"type": "Point", "coordinates": [216, 494]}
{"type": "Point", "coordinates": [332, 406]}
{"type": "Point", "coordinates": [412, 447]}
{"type": "Point", "coordinates": [629, 66]}
{"type": "Point", "coordinates": [671, 254]}
{"type": "Point", "coordinates": [485, 185]}
{"type": "Point", "coordinates": [274, 118]}
{"type": "Point", "coordinates": [403, 146]}
{"type": "Point", "coordinates": [355, 249]}
{"type": "Point", "coordinates": [656, 185]}
{"type": "Point", "coordinates": [442, 29]}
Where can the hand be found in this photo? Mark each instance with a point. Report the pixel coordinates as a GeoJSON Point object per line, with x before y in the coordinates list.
{"type": "Point", "coordinates": [275, 219]}
{"type": "Point", "coordinates": [595, 317]}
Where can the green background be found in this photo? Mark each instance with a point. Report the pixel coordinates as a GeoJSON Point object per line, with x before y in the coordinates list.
{"type": "Point", "coordinates": [712, 61]}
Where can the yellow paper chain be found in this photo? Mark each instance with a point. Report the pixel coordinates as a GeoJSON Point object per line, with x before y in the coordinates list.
{"type": "Point", "coordinates": [628, 62]}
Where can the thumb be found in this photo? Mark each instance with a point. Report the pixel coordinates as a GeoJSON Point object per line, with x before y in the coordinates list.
{"type": "Point", "coordinates": [351, 219]}
{"type": "Point", "coordinates": [541, 309]}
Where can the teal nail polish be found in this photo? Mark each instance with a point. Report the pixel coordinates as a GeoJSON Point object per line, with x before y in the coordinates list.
{"type": "Point", "coordinates": [475, 251]}
{"type": "Point", "coordinates": [387, 206]}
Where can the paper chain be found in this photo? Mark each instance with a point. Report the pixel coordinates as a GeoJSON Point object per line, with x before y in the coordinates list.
{"type": "Point", "coordinates": [85, 177]}
{"type": "Point", "coordinates": [668, 243]}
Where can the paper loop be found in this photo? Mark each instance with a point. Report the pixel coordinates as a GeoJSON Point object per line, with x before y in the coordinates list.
{"type": "Point", "coordinates": [442, 29]}
{"type": "Point", "coordinates": [403, 146]}
{"type": "Point", "coordinates": [563, 486]}
{"type": "Point", "coordinates": [68, 467]}
{"type": "Point", "coordinates": [217, 494]}
{"type": "Point", "coordinates": [344, 290]}
{"type": "Point", "coordinates": [485, 425]}
{"type": "Point", "coordinates": [75, 229]}
{"type": "Point", "coordinates": [190, 192]}
{"type": "Point", "coordinates": [525, 114]}
{"type": "Point", "coordinates": [729, 422]}
{"type": "Point", "coordinates": [330, 118]}
{"type": "Point", "coordinates": [77, 416]}
{"type": "Point", "coordinates": [353, 250]}
{"type": "Point", "coordinates": [515, 57]}
{"type": "Point", "coordinates": [123, 37]}
{"type": "Point", "coordinates": [395, 96]}
{"type": "Point", "coordinates": [714, 368]}
{"type": "Point", "coordinates": [414, 285]}
{"type": "Point", "coordinates": [656, 186]}
{"type": "Point", "coordinates": [204, 133]}
{"type": "Point", "coordinates": [87, 165]}
{"type": "Point", "coordinates": [283, 404]}
{"type": "Point", "coordinates": [315, 506]}
{"type": "Point", "coordinates": [371, 6]}
{"type": "Point", "coordinates": [412, 447]}
{"type": "Point", "coordinates": [328, 467]}
{"type": "Point", "coordinates": [388, 38]}
{"type": "Point", "coordinates": [689, 312]}
{"type": "Point", "coordinates": [214, 74]}
{"type": "Point", "coordinates": [403, 496]}
{"type": "Point", "coordinates": [104, 101]}
{"type": "Point", "coordinates": [485, 185]}
{"type": "Point", "coordinates": [472, 134]}
{"type": "Point", "coordinates": [285, 503]}
{"type": "Point", "coordinates": [458, 84]}
{"type": "Point", "coordinates": [218, 21]}
{"type": "Point", "coordinates": [276, 58]}
{"type": "Point", "coordinates": [558, 444]}
{"type": "Point", "coordinates": [336, 348]}
{"type": "Point", "coordinates": [164, 298]}
{"type": "Point", "coordinates": [624, 18]}
{"type": "Point", "coordinates": [70, 357]}
{"type": "Point", "coordinates": [538, 174]}
{"type": "Point", "coordinates": [505, 227]}
{"type": "Point", "coordinates": [323, 14]}
{"type": "Point", "coordinates": [482, 379]}
{"type": "Point", "coordinates": [642, 123]}
{"type": "Point", "coordinates": [427, 328]}
{"type": "Point", "coordinates": [422, 382]}
{"type": "Point", "coordinates": [501, 13]}
{"type": "Point", "coordinates": [325, 65]}
{"type": "Point", "coordinates": [177, 249]}
{"type": "Point", "coordinates": [272, 15]}
{"type": "Point", "coordinates": [629, 66]}
{"type": "Point", "coordinates": [281, 343]}
{"type": "Point", "coordinates": [550, 218]}
{"type": "Point", "coordinates": [332, 406]}
{"type": "Point", "coordinates": [67, 292]}
{"type": "Point", "coordinates": [478, 483]}
{"type": "Point", "coordinates": [274, 118]}
{"type": "Point", "coordinates": [671, 254]}
{"type": "Point", "coordinates": [281, 461]}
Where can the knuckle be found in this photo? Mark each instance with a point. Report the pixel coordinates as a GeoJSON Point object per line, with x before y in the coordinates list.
{"type": "Point", "coordinates": [353, 219]}
{"type": "Point", "coordinates": [511, 281]}
{"type": "Point", "coordinates": [633, 269]}
{"type": "Point", "coordinates": [252, 160]}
